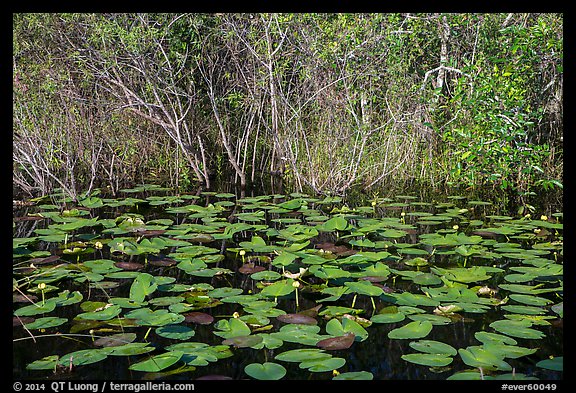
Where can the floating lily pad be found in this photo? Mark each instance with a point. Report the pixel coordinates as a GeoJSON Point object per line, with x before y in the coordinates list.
{"type": "Point", "coordinates": [130, 349]}
{"type": "Point", "coordinates": [555, 363]}
{"type": "Point", "coordinates": [322, 365]}
{"type": "Point", "coordinates": [129, 266]}
{"type": "Point", "coordinates": [433, 347]}
{"type": "Point", "coordinates": [101, 313]}
{"type": "Point", "coordinates": [517, 328]}
{"type": "Point", "coordinates": [279, 288]}
{"type": "Point", "coordinates": [36, 309]}
{"type": "Point", "coordinates": [161, 317]}
{"type": "Point", "coordinates": [412, 330]}
{"type": "Point", "coordinates": [158, 362]}
{"type": "Point", "coordinates": [426, 279]}
{"type": "Point", "coordinates": [428, 359]}
{"type": "Point", "coordinates": [337, 343]}
{"type": "Point", "coordinates": [388, 317]}
{"type": "Point", "coordinates": [530, 299]}
{"type": "Point", "coordinates": [355, 376]}
{"type": "Point", "coordinates": [265, 371]}
{"type": "Point", "coordinates": [301, 355]}
{"type": "Point", "coordinates": [232, 327]}
{"type": "Point", "coordinates": [83, 357]}
{"type": "Point", "coordinates": [200, 318]}
{"type": "Point", "coordinates": [115, 340]}
{"type": "Point", "coordinates": [143, 285]}
{"type": "Point", "coordinates": [336, 328]}
{"type": "Point", "coordinates": [175, 332]}
{"type": "Point", "coordinates": [243, 341]}
{"type": "Point", "coordinates": [481, 357]}
{"type": "Point", "coordinates": [488, 337]}
{"type": "Point", "coordinates": [46, 363]}
{"type": "Point", "coordinates": [297, 318]}
{"type": "Point", "coordinates": [45, 323]}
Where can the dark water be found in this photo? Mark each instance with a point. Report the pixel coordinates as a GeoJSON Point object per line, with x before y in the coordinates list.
{"type": "Point", "coordinates": [377, 354]}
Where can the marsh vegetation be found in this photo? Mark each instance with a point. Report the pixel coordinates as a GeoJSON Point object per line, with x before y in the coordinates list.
{"type": "Point", "coordinates": [288, 196]}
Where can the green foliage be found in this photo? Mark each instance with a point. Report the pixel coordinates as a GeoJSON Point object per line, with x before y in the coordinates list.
{"type": "Point", "coordinates": [497, 133]}
{"type": "Point", "coordinates": [329, 101]}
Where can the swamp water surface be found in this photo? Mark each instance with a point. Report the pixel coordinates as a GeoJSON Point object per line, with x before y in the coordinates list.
{"type": "Point", "coordinates": [158, 286]}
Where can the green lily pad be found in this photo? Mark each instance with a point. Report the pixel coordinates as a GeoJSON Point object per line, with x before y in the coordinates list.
{"type": "Point", "coordinates": [298, 333]}
{"type": "Point", "coordinates": [432, 318]}
{"type": "Point", "coordinates": [142, 286]}
{"type": "Point", "coordinates": [555, 363]}
{"type": "Point", "coordinates": [428, 359]}
{"type": "Point", "coordinates": [36, 309]}
{"type": "Point", "coordinates": [266, 275]}
{"type": "Point", "coordinates": [45, 323]}
{"type": "Point", "coordinates": [108, 312]}
{"type": "Point", "coordinates": [521, 309]}
{"type": "Point", "coordinates": [301, 355]}
{"type": "Point", "coordinates": [530, 299]}
{"type": "Point", "coordinates": [364, 288]}
{"type": "Point", "coordinates": [46, 363]}
{"type": "Point", "coordinates": [161, 317]}
{"type": "Point", "coordinates": [130, 349]}
{"type": "Point", "coordinates": [279, 288]}
{"type": "Point", "coordinates": [115, 340]}
{"type": "Point", "coordinates": [517, 328]}
{"type": "Point", "coordinates": [336, 328]}
{"type": "Point", "coordinates": [412, 330]}
{"type": "Point", "coordinates": [481, 357]}
{"type": "Point", "coordinates": [355, 376]}
{"type": "Point", "coordinates": [388, 317]}
{"type": "Point", "coordinates": [268, 341]}
{"type": "Point", "coordinates": [158, 362]}
{"type": "Point", "coordinates": [83, 357]}
{"type": "Point", "coordinates": [433, 347]}
{"type": "Point", "coordinates": [265, 371]}
{"type": "Point", "coordinates": [488, 337]}
{"type": "Point", "coordinates": [232, 327]}
{"type": "Point", "coordinates": [243, 341]}
{"type": "Point", "coordinates": [336, 223]}
{"type": "Point", "coordinates": [509, 351]}
{"type": "Point", "coordinates": [322, 365]}
{"type": "Point", "coordinates": [426, 279]}
{"type": "Point", "coordinates": [175, 332]}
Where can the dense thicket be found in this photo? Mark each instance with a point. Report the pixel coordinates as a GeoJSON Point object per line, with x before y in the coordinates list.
{"type": "Point", "coordinates": [329, 102]}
